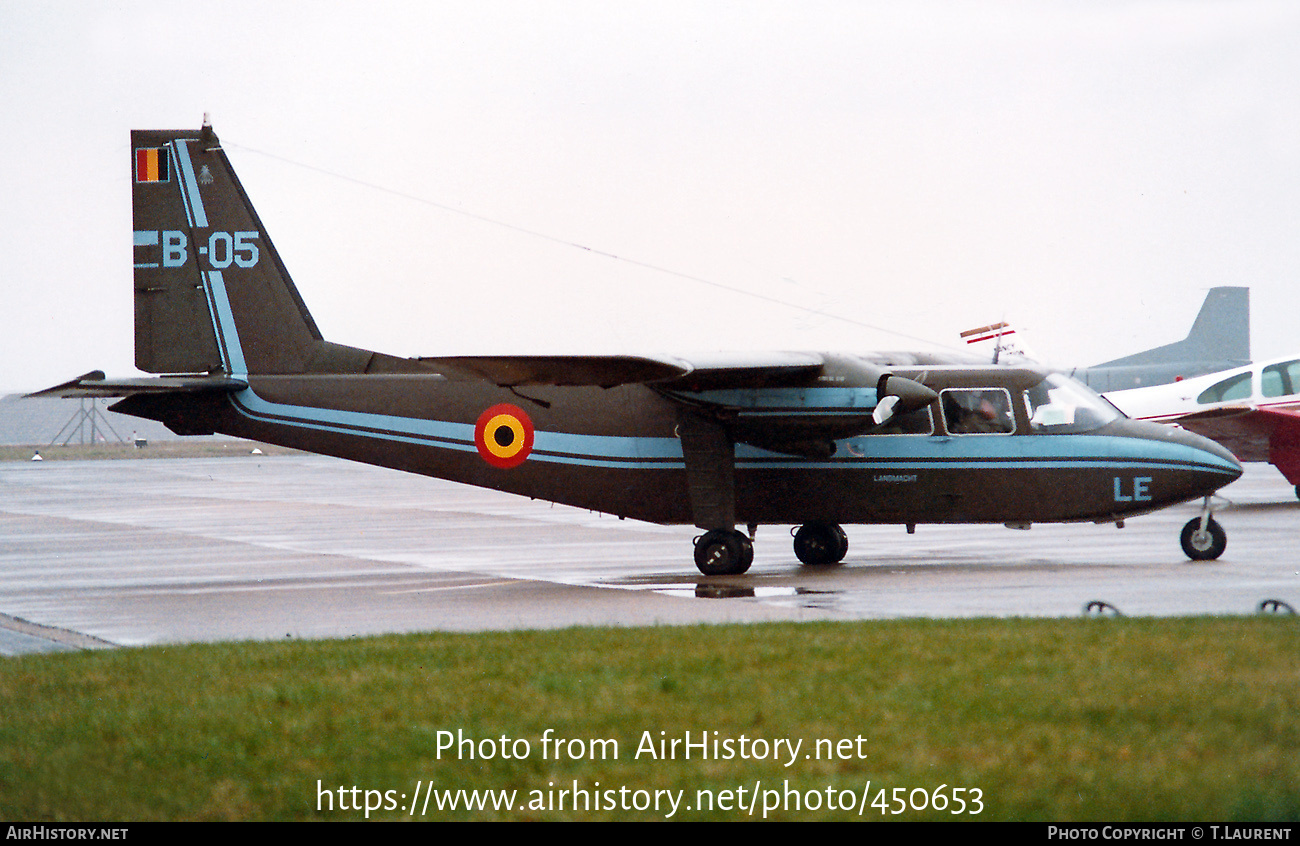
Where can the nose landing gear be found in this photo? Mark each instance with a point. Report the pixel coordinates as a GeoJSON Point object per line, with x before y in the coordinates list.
{"type": "Point", "coordinates": [1203, 538]}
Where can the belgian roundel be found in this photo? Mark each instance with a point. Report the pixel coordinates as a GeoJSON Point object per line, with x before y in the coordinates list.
{"type": "Point", "coordinates": [504, 435]}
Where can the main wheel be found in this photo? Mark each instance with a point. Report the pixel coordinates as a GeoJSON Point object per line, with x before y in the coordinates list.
{"type": "Point", "coordinates": [820, 544]}
{"type": "Point", "coordinates": [1204, 546]}
{"type": "Point", "coordinates": [723, 552]}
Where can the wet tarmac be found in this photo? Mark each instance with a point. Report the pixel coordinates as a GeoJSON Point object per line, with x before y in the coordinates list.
{"type": "Point", "coordinates": [105, 553]}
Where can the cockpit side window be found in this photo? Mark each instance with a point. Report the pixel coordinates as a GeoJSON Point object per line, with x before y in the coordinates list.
{"type": "Point", "coordinates": [1280, 380]}
{"type": "Point", "coordinates": [1059, 406]}
{"type": "Point", "coordinates": [1233, 388]}
{"type": "Point", "coordinates": [916, 422]}
{"type": "Point", "coordinates": [977, 411]}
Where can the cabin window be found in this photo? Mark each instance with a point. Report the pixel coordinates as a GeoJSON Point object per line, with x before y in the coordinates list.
{"type": "Point", "coordinates": [1280, 380]}
{"type": "Point", "coordinates": [1233, 388]}
{"type": "Point", "coordinates": [977, 411]}
{"type": "Point", "coordinates": [1059, 405]}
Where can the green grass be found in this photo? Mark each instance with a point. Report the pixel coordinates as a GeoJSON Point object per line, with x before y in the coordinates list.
{"type": "Point", "coordinates": [1089, 719]}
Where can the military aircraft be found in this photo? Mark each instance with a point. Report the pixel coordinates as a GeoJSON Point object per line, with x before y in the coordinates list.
{"type": "Point", "coordinates": [1219, 340]}
{"type": "Point", "coordinates": [813, 439]}
{"type": "Point", "coordinates": [1253, 411]}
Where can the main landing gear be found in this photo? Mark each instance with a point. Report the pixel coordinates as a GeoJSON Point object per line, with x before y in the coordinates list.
{"type": "Point", "coordinates": [1203, 539]}
{"type": "Point", "coordinates": [820, 544]}
{"type": "Point", "coordinates": [723, 552]}
{"type": "Point", "coordinates": [727, 552]}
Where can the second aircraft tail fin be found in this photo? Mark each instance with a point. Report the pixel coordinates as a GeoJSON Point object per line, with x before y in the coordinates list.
{"type": "Point", "coordinates": [1221, 332]}
{"type": "Point", "coordinates": [1219, 340]}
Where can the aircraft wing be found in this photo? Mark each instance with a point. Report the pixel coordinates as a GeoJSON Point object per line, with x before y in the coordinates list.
{"type": "Point", "coordinates": [699, 372]}
{"type": "Point", "coordinates": [797, 403]}
{"type": "Point", "coordinates": [1250, 433]}
{"type": "Point", "coordinates": [93, 384]}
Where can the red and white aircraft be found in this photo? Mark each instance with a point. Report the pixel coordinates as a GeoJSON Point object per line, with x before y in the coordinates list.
{"type": "Point", "coordinates": [1254, 411]}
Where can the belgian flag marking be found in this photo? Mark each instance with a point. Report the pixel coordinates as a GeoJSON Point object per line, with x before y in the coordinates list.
{"type": "Point", "coordinates": [504, 435]}
{"type": "Point", "coordinates": [152, 164]}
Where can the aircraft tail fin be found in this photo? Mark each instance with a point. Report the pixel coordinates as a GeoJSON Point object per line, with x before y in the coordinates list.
{"type": "Point", "coordinates": [211, 293]}
{"type": "Point", "coordinates": [1221, 332]}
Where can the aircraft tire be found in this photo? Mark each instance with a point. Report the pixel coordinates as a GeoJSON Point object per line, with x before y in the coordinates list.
{"type": "Point", "coordinates": [723, 552]}
{"type": "Point", "coordinates": [1205, 546]}
{"type": "Point", "coordinates": [820, 544]}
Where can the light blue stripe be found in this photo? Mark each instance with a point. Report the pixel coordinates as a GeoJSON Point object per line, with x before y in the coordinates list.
{"type": "Point", "coordinates": [665, 453]}
{"type": "Point", "coordinates": [180, 185]}
{"type": "Point", "coordinates": [805, 413]}
{"type": "Point", "coordinates": [868, 463]}
{"type": "Point", "coordinates": [225, 319]}
{"type": "Point", "coordinates": [1032, 452]}
{"type": "Point", "coordinates": [195, 202]}
{"type": "Point", "coordinates": [336, 420]}
{"type": "Point", "coordinates": [1035, 448]}
{"type": "Point", "coordinates": [607, 446]}
{"type": "Point", "coordinates": [643, 464]}
{"type": "Point", "coordinates": [600, 451]}
{"type": "Point", "coordinates": [210, 299]}
{"type": "Point", "coordinates": [419, 430]}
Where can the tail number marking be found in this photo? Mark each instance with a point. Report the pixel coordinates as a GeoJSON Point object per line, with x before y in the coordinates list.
{"type": "Point", "coordinates": [1141, 490]}
{"type": "Point", "coordinates": [225, 247]}
{"type": "Point", "coordinates": [175, 253]}
{"type": "Point", "coordinates": [222, 250]}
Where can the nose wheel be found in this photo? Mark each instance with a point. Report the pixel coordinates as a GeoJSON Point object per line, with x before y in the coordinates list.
{"type": "Point", "coordinates": [1204, 544]}
{"type": "Point", "coordinates": [1203, 538]}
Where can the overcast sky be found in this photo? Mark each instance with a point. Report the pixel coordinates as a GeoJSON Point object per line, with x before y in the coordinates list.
{"type": "Point", "coordinates": [1085, 170]}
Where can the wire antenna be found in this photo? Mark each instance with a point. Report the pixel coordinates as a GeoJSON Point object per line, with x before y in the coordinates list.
{"type": "Point", "coordinates": [585, 248]}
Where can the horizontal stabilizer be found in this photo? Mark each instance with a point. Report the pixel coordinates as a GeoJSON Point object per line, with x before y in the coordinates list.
{"type": "Point", "coordinates": [93, 384]}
